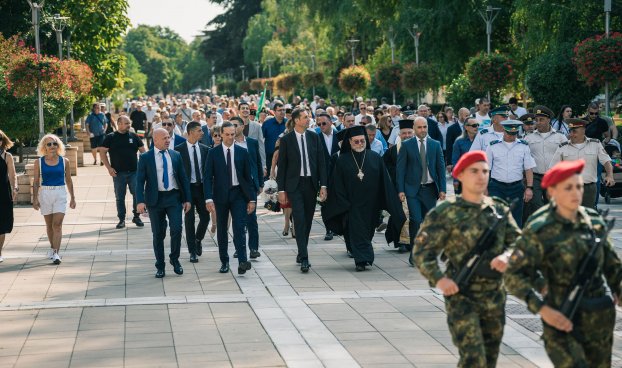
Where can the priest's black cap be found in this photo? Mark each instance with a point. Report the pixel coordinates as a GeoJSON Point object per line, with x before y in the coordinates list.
{"type": "Point", "coordinates": [407, 124]}
{"type": "Point", "coordinates": [349, 133]}
{"type": "Point", "coordinates": [341, 134]}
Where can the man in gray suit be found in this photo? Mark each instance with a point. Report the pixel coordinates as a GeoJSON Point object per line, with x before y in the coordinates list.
{"type": "Point", "coordinates": [253, 129]}
{"type": "Point", "coordinates": [420, 175]}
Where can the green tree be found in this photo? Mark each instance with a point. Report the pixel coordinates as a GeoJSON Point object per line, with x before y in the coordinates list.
{"type": "Point", "coordinates": [136, 79]}
{"type": "Point", "coordinates": [553, 81]}
{"type": "Point", "coordinates": [198, 70]}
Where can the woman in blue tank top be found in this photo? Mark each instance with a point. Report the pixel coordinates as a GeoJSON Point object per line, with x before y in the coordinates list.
{"type": "Point", "coordinates": [53, 171]}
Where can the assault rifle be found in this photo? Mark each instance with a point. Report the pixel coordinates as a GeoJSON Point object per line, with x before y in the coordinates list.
{"type": "Point", "coordinates": [588, 270]}
{"type": "Point", "coordinates": [483, 245]}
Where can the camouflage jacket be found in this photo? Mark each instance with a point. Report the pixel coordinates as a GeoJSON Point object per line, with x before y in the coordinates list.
{"type": "Point", "coordinates": [555, 246]}
{"type": "Point", "coordinates": [455, 225]}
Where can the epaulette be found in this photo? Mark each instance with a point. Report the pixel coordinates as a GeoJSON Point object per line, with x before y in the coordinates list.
{"type": "Point", "coordinates": [592, 212]}
{"type": "Point", "coordinates": [523, 141]}
{"type": "Point", "coordinates": [538, 222]}
{"type": "Point", "coordinates": [494, 142]}
{"type": "Point", "coordinates": [563, 144]}
{"type": "Point", "coordinates": [558, 131]}
{"type": "Point", "coordinates": [499, 200]}
{"type": "Point", "coordinates": [483, 131]}
{"type": "Point", "coordinates": [593, 140]}
{"type": "Point", "coordinates": [530, 132]}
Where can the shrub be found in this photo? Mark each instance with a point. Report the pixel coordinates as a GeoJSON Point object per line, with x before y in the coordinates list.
{"type": "Point", "coordinates": [419, 78]}
{"type": "Point", "coordinates": [389, 76]}
{"type": "Point", "coordinates": [599, 59]}
{"type": "Point", "coordinates": [490, 72]}
{"type": "Point", "coordinates": [460, 94]}
{"type": "Point", "coordinates": [313, 79]}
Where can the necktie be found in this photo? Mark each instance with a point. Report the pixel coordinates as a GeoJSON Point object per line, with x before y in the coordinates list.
{"type": "Point", "coordinates": [229, 168]}
{"type": "Point", "coordinates": [424, 163]}
{"type": "Point", "coordinates": [164, 170]}
{"type": "Point", "coordinates": [197, 171]}
{"type": "Point", "coordinates": [304, 155]}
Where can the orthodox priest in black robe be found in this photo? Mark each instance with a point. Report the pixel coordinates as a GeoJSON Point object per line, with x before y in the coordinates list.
{"type": "Point", "coordinates": [331, 167]}
{"type": "Point", "coordinates": [390, 161]}
{"type": "Point", "coordinates": [359, 189]}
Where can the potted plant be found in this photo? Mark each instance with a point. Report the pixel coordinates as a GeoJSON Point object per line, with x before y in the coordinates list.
{"type": "Point", "coordinates": [418, 78]}
{"type": "Point", "coordinates": [354, 80]}
{"type": "Point", "coordinates": [490, 72]}
{"type": "Point", "coordinates": [389, 76]}
{"type": "Point", "coordinates": [599, 59]}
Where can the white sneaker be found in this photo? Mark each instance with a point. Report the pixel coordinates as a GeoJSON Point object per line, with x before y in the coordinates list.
{"type": "Point", "coordinates": [1, 260]}
{"type": "Point", "coordinates": [56, 259]}
{"type": "Point", "coordinates": [51, 254]}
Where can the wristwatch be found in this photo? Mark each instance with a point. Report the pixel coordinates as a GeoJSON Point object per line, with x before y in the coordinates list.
{"type": "Point", "coordinates": [530, 187]}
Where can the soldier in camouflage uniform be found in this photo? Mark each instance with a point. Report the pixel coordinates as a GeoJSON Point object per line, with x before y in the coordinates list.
{"type": "Point", "coordinates": [555, 241]}
{"type": "Point", "coordinates": [476, 316]}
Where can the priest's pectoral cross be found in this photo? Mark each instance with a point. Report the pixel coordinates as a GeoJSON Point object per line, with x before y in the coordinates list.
{"type": "Point", "coordinates": [360, 175]}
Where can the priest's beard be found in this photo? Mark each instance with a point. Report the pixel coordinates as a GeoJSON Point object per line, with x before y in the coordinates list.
{"type": "Point", "coordinates": [358, 149]}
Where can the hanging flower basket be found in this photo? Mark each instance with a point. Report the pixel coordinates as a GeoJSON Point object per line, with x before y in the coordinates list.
{"type": "Point", "coordinates": [80, 77]}
{"type": "Point", "coordinates": [599, 59]}
{"type": "Point", "coordinates": [25, 69]}
{"type": "Point", "coordinates": [419, 78]}
{"type": "Point", "coordinates": [313, 79]}
{"type": "Point", "coordinates": [244, 86]}
{"type": "Point", "coordinates": [389, 76]}
{"type": "Point", "coordinates": [221, 86]}
{"type": "Point", "coordinates": [257, 84]}
{"type": "Point", "coordinates": [231, 86]}
{"type": "Point", "coordinates": [269, 83]}
{"type": "Point", "coordinates": [286, 82]}
{"type": "Point", "coordinates": [354, 79]}
{"type": "Point", "coordinates": [490, 72]}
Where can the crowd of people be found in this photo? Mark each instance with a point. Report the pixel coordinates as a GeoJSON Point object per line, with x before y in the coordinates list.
{"type": "Point", "coordinates": [371, 168]}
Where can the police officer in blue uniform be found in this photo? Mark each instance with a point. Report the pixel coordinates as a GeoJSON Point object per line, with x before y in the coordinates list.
{"type": "Point", "coordinates": [508, 158]}
{"type": "Point", "coordinates": [492, 133]}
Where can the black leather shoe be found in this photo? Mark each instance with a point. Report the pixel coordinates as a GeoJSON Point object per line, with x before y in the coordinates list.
{"type": "Point", "coordinates": [329, 235]}
{"type": "Point", "coordinates": [402, 249]}
{"type": "Point", "coordinates": [138, 221]}
{"type": "Point", "coordinates": [360, 268]}
{"type": "Point", "coordinates": [224, 268]}
{"type": "Point", "coordinates": [298, 260]}
{"type": "Point", "coordinates": [199, 248]}
{"type": "Point", "coordinates": [285, 233]}
{"type": "Point", "coordinates": [255, 253]}
{"type": "Point", "coordinates": [121, 224]}
{"type": "Point", "coordinates": [411, 261]}
{"type": "Point", "coordinates": [193, 258]}
{"type": "Point", "coordinates": [177, 268]}
{"type": "Point", "coordinates": [350, 255]}
{"type": "Point", "coordinates": [235, 255]}
{"type": "Point", "coordinates": [243, 267]}
{"type": "Point", "coordinates": [304, 267]}
{"type": "Point", "coordinates": [160, 274]}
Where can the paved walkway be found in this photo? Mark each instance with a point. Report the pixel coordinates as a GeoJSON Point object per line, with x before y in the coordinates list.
{"type": "Point", "coordinates": [103, 307]}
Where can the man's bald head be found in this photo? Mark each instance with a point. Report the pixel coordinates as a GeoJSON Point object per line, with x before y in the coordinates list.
{"type": "Point", "coordinates": [421, 127]}
{"type": "Point", "coordinates": [161, 139]}
{"type": "Point", "coordinates": [123, 124]}
{"type": "Point", "coordinates": [463, 113]}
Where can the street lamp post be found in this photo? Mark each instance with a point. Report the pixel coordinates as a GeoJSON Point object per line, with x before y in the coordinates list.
{"type": "Point", "coordinates": [416, 34]}
{"type": "Point", "coordinates": [353, 44]}
{"type": "Point", "coordinates": [213, 75]}
{"type": "Point", "coordinates": [72, 137]}
{"type": "Point", "coordinates": [36, 16]}
{"type": "Point", "coordinates": [292, 62]}
{"type": "Point", "coordinates": [313, 68]}
{"type": "Point", "coordinates": [489, 15]}
{"type": "Point", "coordinates": [257, 67]}
{"type": "Point", "coordinates": [607, 11]}
{"type": "Point", "coordinates": [243, 67]}
{"type": "Point", "coordinates": [392, 36]}
{"type": "Point", "coordinates": [284, 61]}
{"type": "Point", "coordinates": [58, 25]}
{"type": "Point", "coordinates": [270, 72]}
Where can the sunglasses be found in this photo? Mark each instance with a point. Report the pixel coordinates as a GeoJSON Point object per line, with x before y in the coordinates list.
{"type": "Point", "coordinates": [358, 141]}
{"type": "Point", "coordinates": [324, 123]}
{"type": "Point", "coordinates": [216, 136]}
{"type": "Point", "coordinates": [594, 113]}
{"type": "Point", "coordinates": [473, 125]}
{"type": "Point", "coordinates": [50, 144]}
{"type": "Point", "coordinates": [167, 124]}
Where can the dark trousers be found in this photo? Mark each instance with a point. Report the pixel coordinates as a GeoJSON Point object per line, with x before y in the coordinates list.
{"type": "Point", "coordinates": [268, 165]}
{"type": "Point", "coordinates": [590, 194]}
{"type": "Point", "coordinates": [253, 230]}
{"type": "Point", "coordinates": [198, 202]}
{"type": "Point", "coordinates": [538, 200]}
{"type": "Point", "coordinates": [599, 176]}
{"type": "Point", "coordinates": [303, 201]}
{"type": "Point", "coordinates": [418, 206]}
{"type": "Point", "coordinates": [509, 192]}
{"type": "Point", "coordinates": [121, 182]}
{"type": "Point", "coordinates": [168, 205]}
{"type": "Point", "coordinates": [237, 206]}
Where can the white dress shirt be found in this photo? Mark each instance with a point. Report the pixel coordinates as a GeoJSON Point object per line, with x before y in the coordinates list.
{"type": "Point", "coordinates": [329, 142]}
{"type": "Point", "coordinates": [242, 143]}
{"type": "Point", "coordinates": [357, 118]}
{"type": "Point", "coordinates": [300, 137]}
{"type": "Point", "coordinates": [172, 183]}
{"type": "Point", "coordinates": [191, 148]}
{"type": "Point", "coordinates": [172, 144]}
{"type": "Point", "coordinates": [425, 143]}
{"type": "Point", "coordinates": [234, 177]}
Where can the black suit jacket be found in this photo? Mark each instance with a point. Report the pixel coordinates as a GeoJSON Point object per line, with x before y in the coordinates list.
{"type": "Point", "coordinates": [335, 148]}
{"type": "Point", "coordinates": [453, 132]}
{"type": "Point", "coordinates": [433, 131]}
{"type": "Point", "coordinates": [186, 157]}
{"type": "Point", "coordinates": [290, 161]}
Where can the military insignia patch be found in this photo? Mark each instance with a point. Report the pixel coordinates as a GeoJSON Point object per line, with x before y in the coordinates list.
{"type": "Point", "coordinates": [422, 238]}
{"type": "Point", "coordinates": [517, 257]}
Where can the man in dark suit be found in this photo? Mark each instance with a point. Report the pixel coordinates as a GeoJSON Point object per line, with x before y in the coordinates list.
{"type": "Point", "coordinates": [330, 145]}
{"type": "Point", "coordinates": [228, 188]}
{"type": "Point", "coordinates": [194, 156]}
{"type": "Point", "coordinates": [169, 126]}
{"type": "Point", "coordinates": [302, 173]}
{"type": "Point", "coordinates": [252, 146]}
{"type": "Point", "coordinates": [162, 186]}
{"type": "Point", "coordinates": [420, 175]}
{"type": "Point", "coordinates": [453, 132]}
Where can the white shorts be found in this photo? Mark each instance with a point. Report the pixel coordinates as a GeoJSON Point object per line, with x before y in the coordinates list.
{"type": "Point", "coordinates": [53, 201]}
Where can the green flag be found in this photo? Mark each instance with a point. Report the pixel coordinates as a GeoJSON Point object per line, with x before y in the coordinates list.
{"type": "Point", "coordinates": [262, 103]}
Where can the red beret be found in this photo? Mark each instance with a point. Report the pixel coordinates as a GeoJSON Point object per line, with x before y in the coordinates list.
{"type": "Point", "coordinates": [467, 160]}
{"type": "Point", "coordinates": [562, 171]}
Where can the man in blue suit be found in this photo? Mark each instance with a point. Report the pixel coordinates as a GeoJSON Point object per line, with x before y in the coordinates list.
{"type": "Point", "coordinates": [252, 146]}
{"type": "Point", "coordinates": [420, 175]}
{"type": "Point", "coordinates": [169, 125]}
{"type": "Point", "coordinates": [162, 186]}
{"type": "Point", "coordinates": [228, 188]}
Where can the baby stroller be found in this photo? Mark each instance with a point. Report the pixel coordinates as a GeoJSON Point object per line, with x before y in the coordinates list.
{"type": "Point", "coordinates": [613, 150]}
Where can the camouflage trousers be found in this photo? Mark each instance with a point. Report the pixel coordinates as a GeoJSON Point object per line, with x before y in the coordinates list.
{"type": "Point", "coordinates": [595, 352]}
{"type": "Point", "coordinates": [476, 324]}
